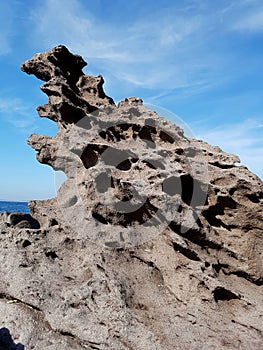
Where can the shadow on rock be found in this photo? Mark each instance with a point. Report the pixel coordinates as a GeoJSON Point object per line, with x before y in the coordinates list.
{"type": "Point", "coordinates": [19, 220]}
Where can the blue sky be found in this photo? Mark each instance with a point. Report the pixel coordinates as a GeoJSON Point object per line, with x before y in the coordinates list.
{"type": "Point", "coordinates": [202, 60]}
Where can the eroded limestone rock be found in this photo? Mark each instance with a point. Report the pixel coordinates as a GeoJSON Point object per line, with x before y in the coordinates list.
{"type": "Point", "coordinates": [153, 242]}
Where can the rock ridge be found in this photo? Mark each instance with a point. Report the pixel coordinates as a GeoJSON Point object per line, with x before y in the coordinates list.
{"type": "Point", "coordinates": [154, 240]}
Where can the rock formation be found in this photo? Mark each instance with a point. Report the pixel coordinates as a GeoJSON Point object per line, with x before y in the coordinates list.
{"type": "Point", "coordinates": [153, 242]}
{"type": "Point", "coordinates": [19, 220]}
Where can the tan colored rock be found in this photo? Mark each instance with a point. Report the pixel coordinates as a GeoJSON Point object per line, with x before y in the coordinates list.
{"type": "Point", "coordinates": [153, 242]}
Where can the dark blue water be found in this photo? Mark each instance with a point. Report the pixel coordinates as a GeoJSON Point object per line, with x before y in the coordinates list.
{"type": "Point", "coordinates": [14, 206]}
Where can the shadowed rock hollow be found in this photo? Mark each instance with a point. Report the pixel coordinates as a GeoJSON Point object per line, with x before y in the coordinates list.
{"type": "Point", "coordinates": [153, 242]}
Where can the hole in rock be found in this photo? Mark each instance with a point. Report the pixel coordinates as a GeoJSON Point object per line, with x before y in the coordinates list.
{"type": "Point", "coordinates": [220, 293]}
{"type": "Point", "coordinates": [179, 151]}
{"type": "Point", "coordinates": [124, 165]}
{"type": "Point", "coordinates": [26, 243]}
{"type": "Point", "coordinates": [217, 267]}
{"type": "Point", "coordinates": [70, 114]}
{"type": "Point", "coordinates": [128, 131]}
{"type": "Point", "coordinates": [191, 190]}
{"type": "Point", "coordinates": [254, 197]}
{"type": "Point", "coordinates": [53, 222]}
{"type": "Point", "coordinates": [223, 202]}
{"type": "Point", "coordinates": [99, 217]}
{"type": "Point", "coordinates": [166, 137]}
{"type": "Point", "coordinates": [113, 133]}
{"type": "Point", "coordinates": [51, 254]}
{"type": "Point", "coordinates": [145, 133]}
{"type": "Point", "coordinates": [187, 252]}
{"type": "Point", "coordinates": [187, 188]}
{"type": "Point", "coordinates": [135, 216]}
{"type": "Point", "coordinates": [89, 158]}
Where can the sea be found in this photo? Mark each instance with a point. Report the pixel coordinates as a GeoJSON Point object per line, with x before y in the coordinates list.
{"type": "Point", "coordinates": [14, 207]}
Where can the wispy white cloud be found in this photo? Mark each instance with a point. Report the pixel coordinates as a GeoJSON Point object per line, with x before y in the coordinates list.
{"type": "Point", "coordinates": [245, 16]}
{"type": "Point", "coordinates": [244, 139]}
{"type": "Point", "coordinates": [143, 40]}
{"type": "Point", "coordinates": [6, 21]}
{"type": "Point", "coordinates": [18, 113]}
{"type": "Point", "coordinates": [251, 21]}
{"type": "Point", "coordinates": [254, 22]}
{"type": "Point", "coordinates": [167, 49]}
{"type": "Point", "coordinates": [174, 47]}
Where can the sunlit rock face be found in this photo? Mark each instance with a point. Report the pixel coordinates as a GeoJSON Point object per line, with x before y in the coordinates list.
{"type": "Point", "coordinates": [154, 240]}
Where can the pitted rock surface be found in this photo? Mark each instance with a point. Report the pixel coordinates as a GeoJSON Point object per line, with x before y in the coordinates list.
{"type": "Point", "coordinates": [18, 220]}
{"type": "Point", "coordinates": [153, 242]}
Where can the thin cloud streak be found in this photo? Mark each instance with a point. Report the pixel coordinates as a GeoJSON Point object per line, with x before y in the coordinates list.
{"type": "Point", "coordinates": [162, 50]}
{"type": "Point", "coordinates": [166, 50]}
{"type": "Point", "coordinates": [6, 24]}
{"type": "Point", "coordinates": [244, 139]}
{"type": "Point", "coordinates": [16, 112]}
{"type": "Point", "coordinates": [253, 22]}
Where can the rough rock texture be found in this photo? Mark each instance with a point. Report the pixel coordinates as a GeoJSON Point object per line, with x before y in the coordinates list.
{"type": "Point", "coordinates": [153, 242]}
{"type": "Point", "coordinates": [18, 220]}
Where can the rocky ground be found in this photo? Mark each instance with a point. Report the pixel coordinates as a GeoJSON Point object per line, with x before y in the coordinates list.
{"type": "Point", "coordinates": [154, 240]}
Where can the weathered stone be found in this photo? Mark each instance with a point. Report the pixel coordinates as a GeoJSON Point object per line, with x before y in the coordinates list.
{"type": "Point", "coordinates": [19, 220]}
{"type": "Point", "coordinates": [153, 242]}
